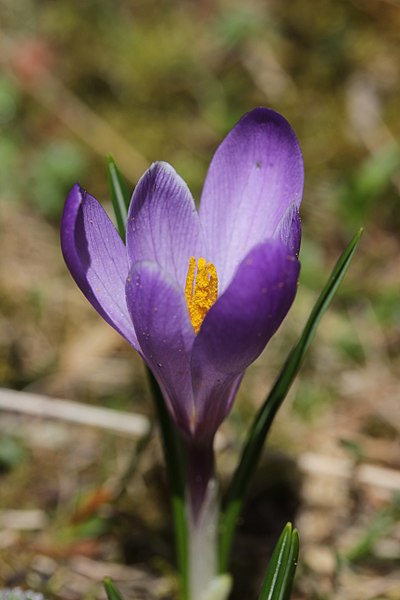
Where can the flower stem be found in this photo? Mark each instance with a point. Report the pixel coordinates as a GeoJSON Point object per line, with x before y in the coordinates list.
{"type": "Point", "coordinates": [202, 542]}
{"type": "Point", "coordinates": [202, 510]}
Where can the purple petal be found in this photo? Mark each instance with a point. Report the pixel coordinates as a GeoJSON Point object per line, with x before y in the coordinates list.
{"type": "Point", "coordinates": [288, 230]}
{"type": "Point", "coordinates": [255, 175]}
{"type": "Point", "coordinates": [161, 319]}
{"type": "Point", "coordinates": [163, 224]}
{"type": "Point", "coordinates": [97, 259]}
{"type": "Point", "coordinates": [214, 393]}
{"type": "Point", "coordinates": [239, 325]}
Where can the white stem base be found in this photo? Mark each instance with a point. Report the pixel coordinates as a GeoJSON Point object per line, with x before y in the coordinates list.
{"type": "Point", "coordinates": [204, 583]}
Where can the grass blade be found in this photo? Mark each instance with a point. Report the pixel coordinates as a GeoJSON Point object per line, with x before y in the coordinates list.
{"type": "Point", "coordinates": [111, 590]}
{"type": "Point", "coordinates": [279, 578]}
{"type": "Point", "coordinates": [265, 416]}
{"type": "Point", "coordinates": [175, 466]}
{"type": "Point", "coordinates": [120, 195]}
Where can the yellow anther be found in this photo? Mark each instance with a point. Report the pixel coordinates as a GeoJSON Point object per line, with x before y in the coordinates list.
{"type": "Point", "coordinates": [201, 290]}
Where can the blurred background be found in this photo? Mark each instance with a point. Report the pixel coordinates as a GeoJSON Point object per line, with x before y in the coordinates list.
{"type": "Point", "coordinates": [144, 81]}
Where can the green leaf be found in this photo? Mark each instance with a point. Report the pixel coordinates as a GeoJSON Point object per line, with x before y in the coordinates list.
{"type": "Point", "coordinates": [171, 442]}
{"type": "Point", "coordinates": [265, 416]}
{"type": "Point", "coordinates": [111, 590]}
{"type": "Point", "coordinates": [120, 195]}
{"type": "Point", "coordinates": [279, 578]}
{"type": "Point", "coordinates": [175, 466]}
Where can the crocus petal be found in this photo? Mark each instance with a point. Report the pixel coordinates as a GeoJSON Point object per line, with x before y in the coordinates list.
{"type": "Point", "coordinates": [288, 230]}
{"type": "Point", "coordinates": [256, 173]}
{"type": "Point", "coordinates": [239, 325]}
{"type": "Point", "coordinates": [214, 397]}
{"type": "Point", "coordinates": [165, 334]}
{"type": "Point", "coordinates": [97, 259]}
{"type": "Point", "coordinates": [163, 224]}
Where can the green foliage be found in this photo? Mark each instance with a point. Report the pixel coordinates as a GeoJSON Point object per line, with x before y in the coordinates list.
{"type": "Point", "coordinates": [176, 478]}
{"type": "Point", "coordinates": [279, 579]}
{"type": "Point", "coordinates": [111, 591]}
{"type": "Point", "coordinates": [266, 415]}
{"type": "Point", "coordinates": [120, 196]}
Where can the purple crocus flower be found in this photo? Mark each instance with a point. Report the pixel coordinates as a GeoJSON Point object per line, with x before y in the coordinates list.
{"type": "Point", "coordinates": [198, 293]}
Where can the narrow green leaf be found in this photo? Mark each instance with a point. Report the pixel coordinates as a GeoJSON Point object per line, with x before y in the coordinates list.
{"type": "Point", "coordinates": [279, 578]}
{"type": "Point", "coordinates": [173, 455]}
{"type": "Point", "coordinates": [274, 575]}
{"type": "Point", "coordinates": [111, 590]}
{"type": "Point", "coordinates": [175, 466]}
{"type": "Point", "coordinates": [120, 195]}
{"type": "Point", "coordinates": [291, 566]}
{"type": "Point", "coordinates": [265, 416]}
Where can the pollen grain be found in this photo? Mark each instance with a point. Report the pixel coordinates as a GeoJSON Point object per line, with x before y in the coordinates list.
{"type": "Point", "coordinates": [201, 290]}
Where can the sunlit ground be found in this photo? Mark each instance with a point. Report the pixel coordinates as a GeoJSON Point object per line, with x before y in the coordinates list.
{"type": "Point", "coordinates": [166, 80]}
